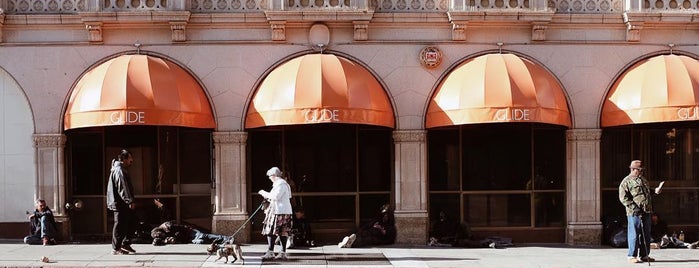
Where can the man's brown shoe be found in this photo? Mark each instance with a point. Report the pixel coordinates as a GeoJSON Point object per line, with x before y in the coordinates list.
{"type": "Point", "coordinates": [648, 259]}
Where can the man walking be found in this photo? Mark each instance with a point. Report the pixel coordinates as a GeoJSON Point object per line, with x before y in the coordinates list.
{"type": "Point", "coordinates": [120, 199]}
{"type": "Point", "coordinates": [635, 195]}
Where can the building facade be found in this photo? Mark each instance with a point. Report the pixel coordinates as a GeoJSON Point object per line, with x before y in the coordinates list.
{"type": "Point", "coordinates": [517, 117]}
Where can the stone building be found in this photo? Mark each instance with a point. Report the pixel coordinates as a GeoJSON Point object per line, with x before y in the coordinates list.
{"type": "Point", "coordinates": [516, 117]}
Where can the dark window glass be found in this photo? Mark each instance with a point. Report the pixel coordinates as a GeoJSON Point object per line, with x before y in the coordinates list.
{"type": "Point", "coordinates": [549, 209]}
{"type": "Point", "coordinates": [549, 159]}
{"type": "Point", "coordinates": [266, 152]}
{"type": "Point", "coordinates": [374, 160]}
{"type": "Point", "coordinates": [497, 210]}
{"type": "Point", "coordinates": [195, 156]}
{"type": "Point", "coordinates": [87, 177]}
{"type": "Point", "coordinates": [525, 163]}
{"type": "Point", "coordinates": [496, 156]}
{"type": "Point", "coordinates": [325, 154]}
{"type": "Point", "coordinates": [444, 159]}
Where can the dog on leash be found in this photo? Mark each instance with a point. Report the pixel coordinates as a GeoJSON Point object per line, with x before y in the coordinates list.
{"type": "Point", "coordinates": [226, 249]}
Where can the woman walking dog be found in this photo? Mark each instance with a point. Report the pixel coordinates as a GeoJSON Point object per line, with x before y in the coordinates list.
{"type": "Point", "coordinates": [278, 219]}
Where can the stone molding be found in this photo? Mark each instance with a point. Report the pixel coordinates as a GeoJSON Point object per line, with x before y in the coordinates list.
{"type": "Point", "coordinates": [230, 137]}
{"type": "Point", "coordinates": [410, 136]}
{"type": "Point", "coordinates": [584, 134]}
{"type": "Point", "coordinates": [49, 140]}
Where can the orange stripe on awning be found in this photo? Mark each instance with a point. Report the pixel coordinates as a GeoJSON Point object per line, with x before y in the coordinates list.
{"type": "Point", "coordinates": [497, 88]}
{"type": "Point", "coordinates": [138, 90]}
{"type": "Point", "coordinates": [319, 88]}
{"type": "Point", "coordinates": [663, 88]}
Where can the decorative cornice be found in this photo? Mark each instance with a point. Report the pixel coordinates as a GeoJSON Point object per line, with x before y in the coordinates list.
{"type": "Point", "coordinates": [584, 134]}
{"type": "Point", "coordinates": [230, 137]}
{"type": "Point", "coordinates": [409, 136]}
{"type": "Point", "coordinates": [49, 140]}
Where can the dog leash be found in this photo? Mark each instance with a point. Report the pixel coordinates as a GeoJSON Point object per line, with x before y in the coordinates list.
{"type": "Point", "coordinates": [248, 220]}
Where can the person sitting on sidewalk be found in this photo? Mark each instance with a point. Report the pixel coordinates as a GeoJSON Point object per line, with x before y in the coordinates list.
{"type": "Point", "coordinates": [380, 231]}
{"type": "Point", "coordinates": [444, 232]}
{"type": "Point", "coordinates": [172, 233]}
{"type": "Point", "coordinates": [301, 234]}
{"type": "Point", "coordinates": [42, 225]}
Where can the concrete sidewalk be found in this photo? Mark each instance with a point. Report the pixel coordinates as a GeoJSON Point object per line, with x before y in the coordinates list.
{"type": "Point", "coordinates": [15, 254]}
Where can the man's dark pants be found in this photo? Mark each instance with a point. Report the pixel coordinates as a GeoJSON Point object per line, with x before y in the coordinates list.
{"type": "Point", "coordinates": [124, 227]}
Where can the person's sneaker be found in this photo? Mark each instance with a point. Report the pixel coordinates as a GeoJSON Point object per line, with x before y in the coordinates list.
{"type": "Point", "coordinates": [120, 252]}
{"type": "Point", "coordinates": [128, 248]}
{"type": "Point", "coordinates": [343, 242]}
{"type": "Point", "coordinates": [648, 259]}
{"type": "Point", "coordinates": [693, 245]}
{"type": "Point", "coordinates": [281, 256]}
{"type": "Point", "coordinates": [350, 241]}
{"type": "Point", "coordinates": [268, 255]}
{"type": "Point", "coordinates": [634, 260]}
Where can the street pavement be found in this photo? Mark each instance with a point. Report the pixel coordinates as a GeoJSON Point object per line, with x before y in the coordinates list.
{"type": "Point", "coordinates": [15, 254]}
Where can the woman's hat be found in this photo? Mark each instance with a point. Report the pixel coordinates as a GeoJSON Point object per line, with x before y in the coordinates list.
{"type": "Point", "coordinates": [274, 171]}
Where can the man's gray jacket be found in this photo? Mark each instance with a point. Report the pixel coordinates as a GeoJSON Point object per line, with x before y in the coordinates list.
{"type": "Point", "coordinates": [119, 188]}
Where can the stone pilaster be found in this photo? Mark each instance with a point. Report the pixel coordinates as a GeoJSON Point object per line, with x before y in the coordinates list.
{"type": "Point", "coordinates": [50, 178]}
{"type": "Point", "coordinates": [230, 199]}
{"type": "Point", "coordinates": [583, 187]}
{"type": "Point", "coordinates": [412, 219]}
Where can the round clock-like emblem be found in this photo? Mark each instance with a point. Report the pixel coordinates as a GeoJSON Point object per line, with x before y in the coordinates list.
{"type": "Point", "coordinates": [430, 57]}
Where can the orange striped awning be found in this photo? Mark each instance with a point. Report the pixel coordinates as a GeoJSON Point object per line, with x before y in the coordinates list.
{"type": "Point", "coordinates": [663, 88]}
{"type": "Point", "coordinates": [138, 90]}
{"type": "Point", "coordinates": [496, 88]}
{"type": "Point", "coordinates": [319, 88]}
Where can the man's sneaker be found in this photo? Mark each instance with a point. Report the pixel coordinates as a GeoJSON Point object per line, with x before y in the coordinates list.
{"type": "Point", "coordinates": [350, 241]}
{"type": "Point", "coordinates": [634, 260]}
{"type": "Point", "coordinates": [128, 248]}
{"type": "Point", "coordinates": [281, 256]}
{"type": "Point", "coordinates": [343, 242]}
{"type": "Point", "coordinates": [648, 259]}
{"type": "Point", "coordinates": [268, 255]}
{"type": "Point", "coordinates": [693, 245]}
{"type": "Point", "coordinates": [120, 252]}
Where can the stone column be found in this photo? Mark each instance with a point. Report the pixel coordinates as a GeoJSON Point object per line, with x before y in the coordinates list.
{"type": "Point", "coordinates": [583, 187]}
{"type": "Point", "coordinates": [50, 176]}
{"type": "Point", "coordinates": [412, 220]}
{"type": "Point", "coordinates": [230, 200]}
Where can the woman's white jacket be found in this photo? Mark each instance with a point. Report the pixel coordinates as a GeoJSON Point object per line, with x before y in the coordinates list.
{"type": "Point", "coordinates": [279, 197]}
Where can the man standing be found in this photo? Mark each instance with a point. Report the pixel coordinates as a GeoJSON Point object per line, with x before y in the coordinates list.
{"type": "Point", "coordinates": [43, 225]}
{"type": "Point", "coordinates": [120, 199]}
{"type": "Point", "coordinates": [635, 195]}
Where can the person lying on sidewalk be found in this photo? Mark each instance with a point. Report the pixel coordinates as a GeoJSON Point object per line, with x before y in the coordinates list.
{"type": "Point", "coordinates": [380, 231]}
{"type": "Point", "coordinates": [172, 233]}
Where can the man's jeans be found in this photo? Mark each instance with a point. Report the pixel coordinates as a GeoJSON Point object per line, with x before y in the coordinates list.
{"type": "Point", "coordinates": [199, 237]}
{"type": "Point", "coordinates": [638, 247]}
{"type": "Point", "coordinates": [45, 229]}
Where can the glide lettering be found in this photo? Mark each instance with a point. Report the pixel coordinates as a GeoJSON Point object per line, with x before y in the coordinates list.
{"type": "Point", "coordinates": [512, 115]}
{"type": "Point", "coordinates": [128, 117]}
{"type": "Point", "coordinates": [321, 115]}
{"type": "Point", "coordinates": [689, 113]}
